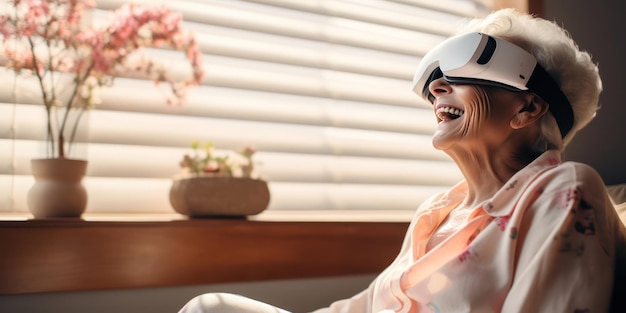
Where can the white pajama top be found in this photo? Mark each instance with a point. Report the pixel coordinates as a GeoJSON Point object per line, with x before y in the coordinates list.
{"type": "Point", "coordinates": [548, 241]}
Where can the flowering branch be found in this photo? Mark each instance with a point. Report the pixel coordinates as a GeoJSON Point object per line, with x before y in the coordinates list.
{"type": "Point", "coordinates": [49, 37]}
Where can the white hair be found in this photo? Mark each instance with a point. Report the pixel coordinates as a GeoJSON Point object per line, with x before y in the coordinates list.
{"type": "Point", "coordinates": [555, 50]}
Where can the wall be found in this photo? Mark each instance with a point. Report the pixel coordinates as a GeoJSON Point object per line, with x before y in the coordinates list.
{"type": "Point", "coordinates": [597, 27]}
{"type": "Point", "coordinates": [301, 295]}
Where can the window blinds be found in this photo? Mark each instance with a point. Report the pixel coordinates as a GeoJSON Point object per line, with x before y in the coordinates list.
{"type": "Point", "coordinates": [320, 88]}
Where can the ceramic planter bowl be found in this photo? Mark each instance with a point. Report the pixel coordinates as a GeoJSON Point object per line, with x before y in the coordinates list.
{"type": "Point", "coordinates": [208, 196]}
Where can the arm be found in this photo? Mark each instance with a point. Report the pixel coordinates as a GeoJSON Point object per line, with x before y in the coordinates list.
{"type": "Point", "coordinates": [363, 301]}
{"type": "Point", "coordinates": [358, 303]}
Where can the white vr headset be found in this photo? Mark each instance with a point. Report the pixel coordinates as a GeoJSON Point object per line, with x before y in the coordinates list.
{"type": "Point", "coordinates": [477, 58]}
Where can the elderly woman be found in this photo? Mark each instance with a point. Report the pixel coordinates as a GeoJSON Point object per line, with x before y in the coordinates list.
{"type": "Point", "coordinates": [524, 231]}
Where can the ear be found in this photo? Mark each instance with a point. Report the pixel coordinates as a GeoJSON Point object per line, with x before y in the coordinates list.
{"type": "Point", "coordinates": [532, 108]}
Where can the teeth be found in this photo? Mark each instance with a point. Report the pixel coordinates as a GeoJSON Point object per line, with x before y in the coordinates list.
{"type": "Point", "coordinates": [447, 113]}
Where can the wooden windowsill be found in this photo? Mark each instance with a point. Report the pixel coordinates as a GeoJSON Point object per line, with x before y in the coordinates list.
{"type": "Point", "coordinates": [78, 255]}
{"type": "Point", "coordinates": [266, 216]}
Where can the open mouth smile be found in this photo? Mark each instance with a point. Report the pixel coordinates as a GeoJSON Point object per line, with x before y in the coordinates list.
{"type": "Point", "coordinates": [448, 113]}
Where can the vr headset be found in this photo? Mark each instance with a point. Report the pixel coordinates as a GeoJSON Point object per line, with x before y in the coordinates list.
{"type": "Point", "coordinates": [477, 58]}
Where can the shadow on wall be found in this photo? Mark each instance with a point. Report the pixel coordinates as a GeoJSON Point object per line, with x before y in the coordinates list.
{"type": "Point", "coordinates": [596, 144]}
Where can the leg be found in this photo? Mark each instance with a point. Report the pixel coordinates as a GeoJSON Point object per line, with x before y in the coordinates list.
{"type": "Point", "coordinates": [227, 303]}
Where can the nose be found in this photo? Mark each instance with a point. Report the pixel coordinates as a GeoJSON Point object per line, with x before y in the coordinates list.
{"type": "Point", "coordinates": [438, 87]}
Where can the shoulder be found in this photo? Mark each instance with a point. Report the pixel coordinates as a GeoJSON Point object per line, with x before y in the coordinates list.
{"type": "Point", "coordinates": [582, 171]}
{"type": "Point", "coordinates": [573, 175]}
{"type": "Point", "coordinates": [580, 188]}
{"type": "Point", "coordinates": [574, 186]}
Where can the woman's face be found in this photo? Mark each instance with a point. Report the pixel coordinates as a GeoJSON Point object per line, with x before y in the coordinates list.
{"type": "Point", "coordinates": [472, 116]}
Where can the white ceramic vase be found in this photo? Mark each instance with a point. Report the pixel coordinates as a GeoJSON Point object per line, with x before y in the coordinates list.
{"type": "Point", "coordinates": [58, 189]}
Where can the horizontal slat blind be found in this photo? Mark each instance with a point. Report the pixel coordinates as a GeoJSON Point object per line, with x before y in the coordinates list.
{"type": "Point", "coordinates": [320, 88]}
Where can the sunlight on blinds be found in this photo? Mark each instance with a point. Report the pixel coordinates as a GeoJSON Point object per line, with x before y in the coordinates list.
{"type": "Point", "coordinates": [320, 88]}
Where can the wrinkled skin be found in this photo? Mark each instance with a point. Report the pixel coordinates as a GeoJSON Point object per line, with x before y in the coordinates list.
{"type": "Point", "coordinates": [492, 139]}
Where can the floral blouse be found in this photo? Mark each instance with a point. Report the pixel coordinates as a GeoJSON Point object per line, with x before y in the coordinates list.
{"type": "Point", "coordinates": [548, 241]}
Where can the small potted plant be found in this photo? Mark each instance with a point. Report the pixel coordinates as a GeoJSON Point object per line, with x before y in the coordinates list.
{"type": "Point", "coordinates": [223, 185]}
{"type": "Point", "coordinates": [57, 46]}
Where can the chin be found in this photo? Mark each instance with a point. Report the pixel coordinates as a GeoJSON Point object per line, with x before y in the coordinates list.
{"type": "Point", "coordinates": [441, 143]}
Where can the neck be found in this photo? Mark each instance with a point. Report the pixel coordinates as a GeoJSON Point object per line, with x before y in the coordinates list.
{"type": "Point", "coordinates": [487, 170]}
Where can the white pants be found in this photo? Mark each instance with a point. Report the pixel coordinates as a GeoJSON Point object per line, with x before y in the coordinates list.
{"type": "Point", "coordinates": [227, 303]}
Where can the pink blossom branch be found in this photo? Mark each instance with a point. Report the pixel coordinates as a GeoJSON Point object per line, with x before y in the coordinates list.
{"type": "Point", "coordinates": [46, 101]}
{"type": "Point", "coordinates": [79, 81]}
{"type": "Point", "coordinates": [88, 52]}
